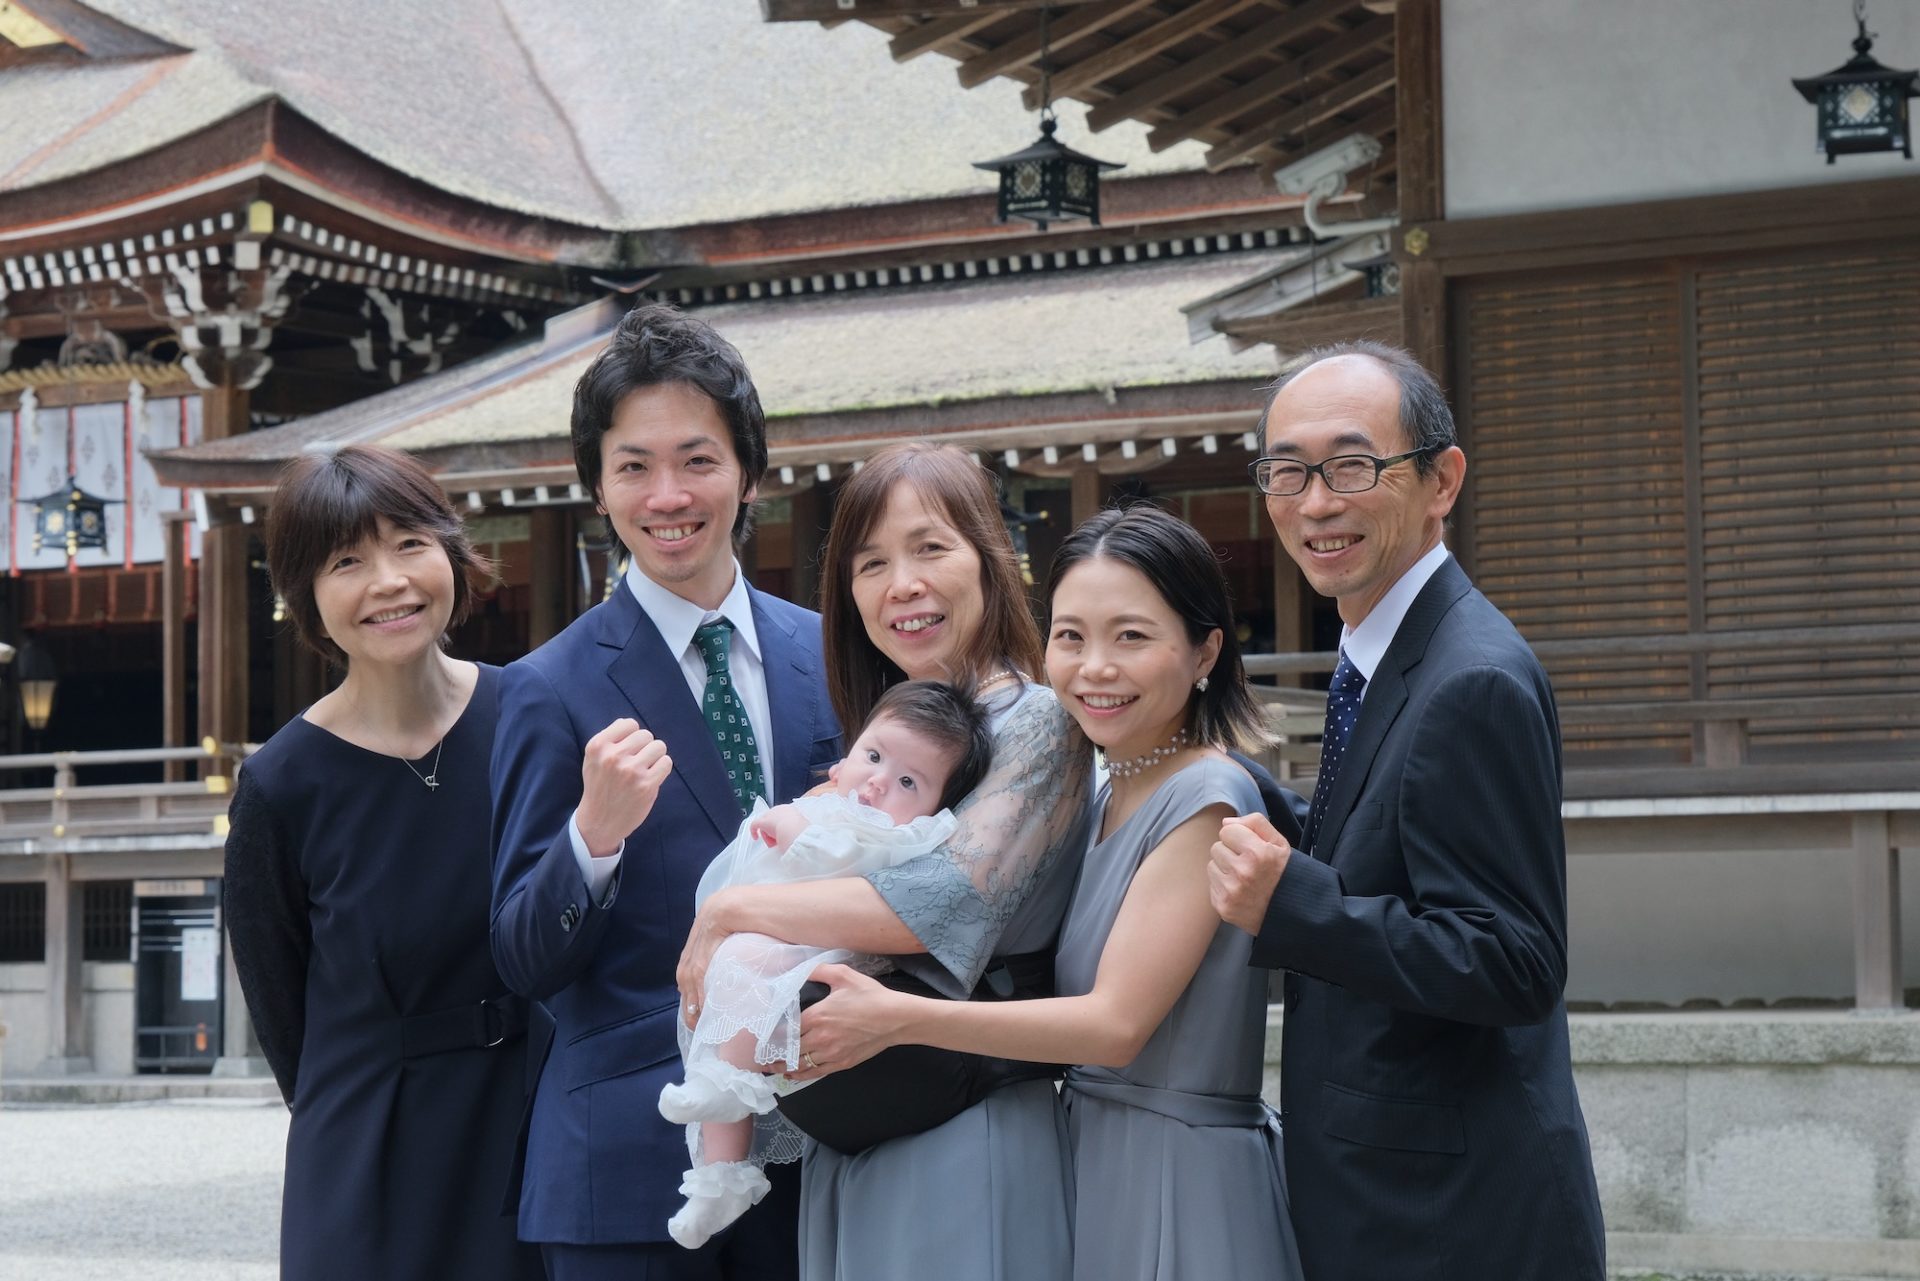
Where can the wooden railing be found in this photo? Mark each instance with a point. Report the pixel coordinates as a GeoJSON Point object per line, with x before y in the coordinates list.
{"type": "Point", "coordinates": [73, 809]}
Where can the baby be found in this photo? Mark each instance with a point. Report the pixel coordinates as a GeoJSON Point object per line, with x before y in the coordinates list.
{"type": "Point", "coordinates": [923, 748]}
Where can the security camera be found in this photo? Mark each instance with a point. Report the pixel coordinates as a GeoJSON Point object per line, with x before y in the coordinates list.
{"type": "Point", "coordinates": [1325, 171]}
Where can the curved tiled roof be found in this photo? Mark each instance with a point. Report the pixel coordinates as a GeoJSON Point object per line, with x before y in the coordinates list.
{"type": "Point", "coordinates": [620, 114]}
{"type": "Point", "coordinates": [1102, 330]}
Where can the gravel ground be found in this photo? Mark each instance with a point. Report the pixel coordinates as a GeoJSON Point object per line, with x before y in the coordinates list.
{"type": "Point", "coordinates": [187, 1190]}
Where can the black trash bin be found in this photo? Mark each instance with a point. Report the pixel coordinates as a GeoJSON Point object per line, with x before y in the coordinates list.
{"type": "Point", "coordinates": [178, 987]}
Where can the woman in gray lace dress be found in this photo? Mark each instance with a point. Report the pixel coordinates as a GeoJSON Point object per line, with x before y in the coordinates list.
{"type": "Point", "coordinates": [1176, 1161]}
{"type": "Point", "coordinates": [921, 582]}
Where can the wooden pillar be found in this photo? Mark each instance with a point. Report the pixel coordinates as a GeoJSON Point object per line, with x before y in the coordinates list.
{"type": "Point", "coordinates": [223, 599]}
{"type": "Point", "coordinates": [1086, 493]}
{"type": "Point", "coordinates": [1292, 612]}
{"type": "Point", "coordinates": [1422, 197]}
{"type": "Point", "coordinates": [809, 537]}
{"type": "Point", "coordinates": [1878, 985]}
{"type": "Point", "coordinates": [550, 549]}
{"type": "Point", "coordinates": [174, 533]}
{"type": "Point", "coordinates": [66, 1022]}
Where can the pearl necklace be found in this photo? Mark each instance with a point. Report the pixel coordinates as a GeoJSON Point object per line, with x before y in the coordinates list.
{"type": "Point", "coordinates": [1135, 766]}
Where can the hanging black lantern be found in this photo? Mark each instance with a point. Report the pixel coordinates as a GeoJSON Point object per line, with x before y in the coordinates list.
{"type": "Point", "coordinates": [1048, 182]}
{"type": "Point", "coordinates": [69, 517]}
{"type": "Point", "coordinates": [1862, 105]}
{"type": "Point", "coordinates": [1016, 522]}
{"type": "Point", "coordinates": [1380, 273]}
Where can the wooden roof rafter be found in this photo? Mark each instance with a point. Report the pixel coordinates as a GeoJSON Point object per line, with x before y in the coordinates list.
{"type": "Point", "coordinates": [1247, 78]}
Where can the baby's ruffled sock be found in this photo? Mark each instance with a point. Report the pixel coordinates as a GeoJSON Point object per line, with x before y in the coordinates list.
{"type": "Point", "coordinates": [716, 1196]}
{"type": "Point", "coordinates": [717, 1092]}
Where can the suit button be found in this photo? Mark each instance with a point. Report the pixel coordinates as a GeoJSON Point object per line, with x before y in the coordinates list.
{"type": "Point", "coordinates": [569, 918]}
{"type": "Point", "coordinates": [1291, 990]}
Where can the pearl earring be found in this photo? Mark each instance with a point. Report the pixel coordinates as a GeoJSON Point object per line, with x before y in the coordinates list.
{"type": "Point", "coordinates": [1201, 684]}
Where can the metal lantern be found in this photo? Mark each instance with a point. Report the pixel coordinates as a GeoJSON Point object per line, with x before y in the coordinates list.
{"type": "Point", "coordinates": [1862, 105]}
{"type": "Point", "coordinates": [1016, 522]}
{"type": "Point", "coordinates": [37, 676]}
{"type": "Point", "coordinates": [69, 517]}
{"type": "Point", "coordinates": [1048, 182]}
{"type": "Point", "coordinates": [1381, 274]}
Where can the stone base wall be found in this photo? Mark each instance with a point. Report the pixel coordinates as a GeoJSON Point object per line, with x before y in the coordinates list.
{"type": "Point", "coordinates": [106, 1007]}
{"type": "Point", "coordinates": [1775, 1144]}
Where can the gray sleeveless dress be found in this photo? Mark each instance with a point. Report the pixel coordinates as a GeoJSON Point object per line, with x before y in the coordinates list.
{"type": "Point", "coordinates": [987, 1196]}
{"type": "Point", "coordinates": [1177, 1163]}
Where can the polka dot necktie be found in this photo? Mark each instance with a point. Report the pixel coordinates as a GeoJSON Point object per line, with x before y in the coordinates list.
{"type": "Point", "coordinates": [1343, 709]}
{"type": "Point", "coordinates": [726, 718]}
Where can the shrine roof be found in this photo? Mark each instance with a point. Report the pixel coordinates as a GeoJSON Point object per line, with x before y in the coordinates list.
{"type": "Point", "coordinates": [694, 112]}
{"type": "Point", "coordinates": [1098, 331]}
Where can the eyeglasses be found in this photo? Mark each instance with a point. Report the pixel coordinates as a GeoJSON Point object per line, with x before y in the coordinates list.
{"type": "Point", "coordinates": [1343, 473]}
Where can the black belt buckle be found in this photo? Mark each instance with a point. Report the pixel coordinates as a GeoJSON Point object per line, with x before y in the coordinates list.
{"type": "Point", "coordinates": [491, 1015]}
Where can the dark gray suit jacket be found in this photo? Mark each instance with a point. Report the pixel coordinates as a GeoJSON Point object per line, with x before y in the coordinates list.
{"type": "Point", "coordinates": [1432, 1128]}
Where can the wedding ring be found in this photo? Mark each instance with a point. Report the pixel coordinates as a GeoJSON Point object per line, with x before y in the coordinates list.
{"type": "Point", "coordinates": [693, 1007]}
{"type": "Point", "coordinates": [807, 1060]}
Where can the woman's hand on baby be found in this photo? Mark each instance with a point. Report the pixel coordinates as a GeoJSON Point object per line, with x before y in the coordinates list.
{"type": "Point", "coordinates": [703, 940]}
{"type": "Point", "coordinates": [854, 1022]}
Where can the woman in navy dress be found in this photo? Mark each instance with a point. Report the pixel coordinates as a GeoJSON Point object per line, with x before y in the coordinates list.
{"type": "Point", "coordinates": [357, 893]}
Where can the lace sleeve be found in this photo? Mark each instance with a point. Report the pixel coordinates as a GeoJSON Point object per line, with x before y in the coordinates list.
{"type": "Point", "coordinates": [265, 906]}
{"type": "Point", "coordinates": [1021, 819]}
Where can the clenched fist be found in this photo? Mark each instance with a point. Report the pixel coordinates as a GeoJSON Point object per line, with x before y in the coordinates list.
{"type": "Point", "coordinates": [1245, 864]}
{"type": "Point", "coordinates": [620, 777]}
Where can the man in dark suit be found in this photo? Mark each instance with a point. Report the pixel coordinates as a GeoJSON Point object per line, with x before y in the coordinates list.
{"type": "Point", "coordinates": [1431, 1123]}
{"type": "Point", "coordinates": [630, 746]}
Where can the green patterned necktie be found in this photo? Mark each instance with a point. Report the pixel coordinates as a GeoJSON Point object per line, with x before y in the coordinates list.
{"type": "Point", "coordinates": [726, 717]}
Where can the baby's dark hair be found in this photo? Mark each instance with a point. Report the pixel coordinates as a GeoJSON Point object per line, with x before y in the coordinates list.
{"type": "Point", "coordinates": [948, 716]}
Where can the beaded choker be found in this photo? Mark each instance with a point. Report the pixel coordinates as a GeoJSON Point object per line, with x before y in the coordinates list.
{"type": "Point", "coordinates": [1137, 765]}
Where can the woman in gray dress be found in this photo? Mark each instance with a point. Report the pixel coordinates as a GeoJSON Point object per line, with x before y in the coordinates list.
{"type": "Point", "coordinates": [1176, 1160]}
{"type": "Point", "coordinates": [921, 582]}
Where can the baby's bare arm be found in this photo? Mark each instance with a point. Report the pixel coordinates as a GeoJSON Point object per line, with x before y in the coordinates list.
{"type": "Point", "coordinates": [779, 825]}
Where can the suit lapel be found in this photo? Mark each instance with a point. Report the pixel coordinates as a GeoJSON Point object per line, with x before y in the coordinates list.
{"type": "Point", "coordinates": [649, 676]}
{"type": "Point", "coordinates": [791, 691]}
{"type": "Point", "coordinates": [1386, 696]}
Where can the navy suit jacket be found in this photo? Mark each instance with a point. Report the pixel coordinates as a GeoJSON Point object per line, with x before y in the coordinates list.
{"type": "Point", "coordinates": [1431, 1124]}
{"type": "Point", "coordinates": [601, 1164]}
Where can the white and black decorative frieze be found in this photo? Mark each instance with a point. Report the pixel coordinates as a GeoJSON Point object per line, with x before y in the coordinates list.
{"type": "Point", "coordinates": [401, 341]}
{"type": "Point", "coordinates": [224, 320]}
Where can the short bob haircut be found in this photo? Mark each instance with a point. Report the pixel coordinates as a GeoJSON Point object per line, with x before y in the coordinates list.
{"type": "Point", "coordinates": [963, 492]}
{"type": "Point", "coordinates": [949, 717]}
{"type": "Point", "coordinates": [326, 502]}
{"type": "Point", "coordinates": [1182, 567]}
{"type": "Point", "coordinates": [655, 344]}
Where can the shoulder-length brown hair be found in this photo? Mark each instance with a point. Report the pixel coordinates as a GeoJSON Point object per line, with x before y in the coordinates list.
{"type": "Point", "coordinates": [967, 496]}
{"type": "Point", "coordinates": [327, 501]}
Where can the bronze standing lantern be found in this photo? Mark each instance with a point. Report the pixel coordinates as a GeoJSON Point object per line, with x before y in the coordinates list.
{"type": "Point", "coordinates": [1862, 104]}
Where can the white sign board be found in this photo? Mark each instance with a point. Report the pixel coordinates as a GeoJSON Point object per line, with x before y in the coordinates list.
{"type": "Point", "coordinates": [200, 964]}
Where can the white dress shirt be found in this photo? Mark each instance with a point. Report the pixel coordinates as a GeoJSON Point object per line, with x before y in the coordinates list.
{"type": "Point", "coordinates": [676, 619]}
{"type": "Point", "coordinates": [1367, 644]}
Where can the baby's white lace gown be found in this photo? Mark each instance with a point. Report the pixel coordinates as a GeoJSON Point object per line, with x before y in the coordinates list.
{"type": "Point", "coordinates": [753, 985]}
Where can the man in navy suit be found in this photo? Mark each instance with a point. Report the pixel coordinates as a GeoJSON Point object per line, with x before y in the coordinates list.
{"type": "Point", "coordinates": [1431, 1123]}
{"type": "Point", "coordinates": [630, 745]}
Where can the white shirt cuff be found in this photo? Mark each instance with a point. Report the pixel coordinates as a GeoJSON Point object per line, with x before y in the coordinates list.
{"type": "Point", "coordinates": [596, 872]}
